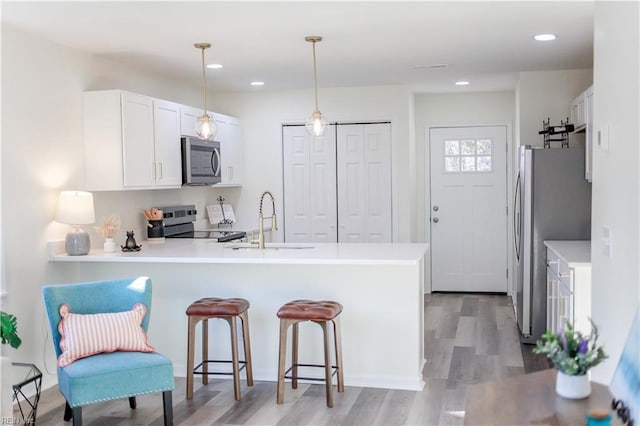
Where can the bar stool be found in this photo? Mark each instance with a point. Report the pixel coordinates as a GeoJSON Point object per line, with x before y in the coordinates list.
{"type": "Point", "coordinates": [320, 312]}
{"type": "Point", "coordinates": [228, 310]}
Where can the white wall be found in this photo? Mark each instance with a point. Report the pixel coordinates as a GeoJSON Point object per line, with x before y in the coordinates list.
{"type": "Point", "coordinates": [616, 279]}
{"type": "Point", "coordinates": [547, 94]}
{"type": "Point", "coordinates": [42, 154]}
{"type": "Point", "coordinates": [263, 113]}
{"type": "Point", "coordinates": [450, 109]}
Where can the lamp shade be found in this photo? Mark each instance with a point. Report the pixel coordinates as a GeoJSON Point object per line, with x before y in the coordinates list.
{"type": "Point", "coordinates": [75, 208]}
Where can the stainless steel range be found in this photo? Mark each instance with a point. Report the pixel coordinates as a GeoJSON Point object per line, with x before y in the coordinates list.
{"type": "Point", "coordinates": [179, 223]}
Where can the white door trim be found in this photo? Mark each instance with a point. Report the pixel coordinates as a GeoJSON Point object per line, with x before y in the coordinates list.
{"type": "Point", "coordinates": [510, 179]}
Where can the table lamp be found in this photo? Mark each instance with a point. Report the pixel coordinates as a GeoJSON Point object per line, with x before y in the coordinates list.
{"type": "Point", "coordinates": [76, 208]}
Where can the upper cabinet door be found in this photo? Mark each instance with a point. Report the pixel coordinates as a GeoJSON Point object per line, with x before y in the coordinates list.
{"type": "Point", "coordinates": [230, 139]}
{"type": "Point", "coordinates": [137, 140]}
{"type": "Point", "coordinates": [166, 126]}
{"type": "Point", "coordinates": [577, 113]}
{"type": "Point", "coordinates": [188, 118]}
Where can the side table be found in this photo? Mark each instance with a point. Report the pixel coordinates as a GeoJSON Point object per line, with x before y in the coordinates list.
{"type": "Point", "coordinates": [27, 384]}
{"type": "Point", "coordinates": [530, 399]}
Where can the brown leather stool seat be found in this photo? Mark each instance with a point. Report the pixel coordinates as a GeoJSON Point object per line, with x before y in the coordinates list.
{"type": "Point", "coordinates": [321, 312]}
{"type": "Point", "coordinates": [227, 309]}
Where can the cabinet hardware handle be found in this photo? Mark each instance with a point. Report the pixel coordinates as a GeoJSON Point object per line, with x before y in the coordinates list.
{"type": "Point", "coordinates": [563, 275]}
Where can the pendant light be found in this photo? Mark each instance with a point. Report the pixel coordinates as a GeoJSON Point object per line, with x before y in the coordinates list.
{"type": "Point", "coordinates": [315, 124]}
{"type": "Point", "coordinates": [205, 125]}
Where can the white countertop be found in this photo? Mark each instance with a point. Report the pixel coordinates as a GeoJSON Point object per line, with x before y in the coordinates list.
{"type": "Point", "coordinates": [575, 253]}
{"type": "Point", "coordinates": [203, 251]}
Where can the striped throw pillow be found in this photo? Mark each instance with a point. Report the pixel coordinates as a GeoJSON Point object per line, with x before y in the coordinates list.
{"type": "Point", "coordinates": [83, 335]}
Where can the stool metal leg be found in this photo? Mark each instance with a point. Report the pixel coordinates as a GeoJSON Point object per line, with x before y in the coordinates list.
{"type": "Point", "coordinates": [205, 351]}
{"type": "Point", "coordinates": [244, 318]}
{"type": "Point", "coordinates": [294, 356]}
{"type": "Point", "coordinates": [234, 356]}
{"type": "Point", "coordinates": [282, 359]}
{"type": "Point", "coordinates": [338, 347]}
{"type": "Point", "coordinates": [191, 332]}
{"type": "Point", "coordinates": [327, 362]}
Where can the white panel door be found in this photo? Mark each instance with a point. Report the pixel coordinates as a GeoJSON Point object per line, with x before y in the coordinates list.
{"type": "Point", "coordinates": [137, 140]}
{"type": "Point", "coordinates": [468, 209]}
{"type": "Point", "coordinates": [166, 127]}
{"type": "Point", "coordinates": [309, 168]}
{"type": "Point", "coordinates": [364, 182]}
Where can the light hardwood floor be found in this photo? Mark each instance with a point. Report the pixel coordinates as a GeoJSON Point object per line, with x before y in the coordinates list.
{"type": "Point", "coordinates": [469, 338]}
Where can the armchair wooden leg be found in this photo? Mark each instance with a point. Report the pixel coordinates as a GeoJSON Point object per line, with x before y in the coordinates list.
{"type": "Point", "coordinates": [167, 405]}
{"type": "Point", "coordinates": [132, 402]}
{"type": "Point", "coordinates": [67, 412]}
{"type": "Point", "coordinates": [77, 416]}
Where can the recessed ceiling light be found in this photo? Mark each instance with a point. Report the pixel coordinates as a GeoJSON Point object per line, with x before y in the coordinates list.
{"type": "Point", "coordinates": [257, 83]}
{"type": "Point", "coordinates": [545, 37]}
{"type": "Point", "coordinates": [462, 83]}
{"type": "Point", "coordinates": [214, 66]}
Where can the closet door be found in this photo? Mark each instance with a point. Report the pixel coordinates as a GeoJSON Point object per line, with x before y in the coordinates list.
{"type": "Point", "coordinates": [309, 171]}
{"type": "Point", "coordinates": [364, 182]}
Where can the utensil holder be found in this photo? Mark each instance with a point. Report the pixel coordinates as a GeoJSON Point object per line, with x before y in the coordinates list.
{"type": "Point", "coordinates": [155, 230]}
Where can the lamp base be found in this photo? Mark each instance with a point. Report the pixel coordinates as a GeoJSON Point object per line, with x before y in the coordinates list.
{"type": "Point", "coordinates": [77, 242]}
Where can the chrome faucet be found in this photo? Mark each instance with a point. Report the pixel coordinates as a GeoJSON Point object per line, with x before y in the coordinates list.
{"type": "Point", "coordinates": [274, 225]}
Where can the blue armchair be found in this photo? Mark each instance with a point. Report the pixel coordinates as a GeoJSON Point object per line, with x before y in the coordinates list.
{"type": "Point", "coordinates": [114, 375]}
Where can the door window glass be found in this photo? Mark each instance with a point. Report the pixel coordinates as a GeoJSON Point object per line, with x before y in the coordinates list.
{"type": "Point", "coordinates": [467, 156]}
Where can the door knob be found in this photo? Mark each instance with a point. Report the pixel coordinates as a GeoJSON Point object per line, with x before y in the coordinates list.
{"type": "Point", "coordinates": [436, 208]}
{"type": "Point", "coordinates": [436, 220]}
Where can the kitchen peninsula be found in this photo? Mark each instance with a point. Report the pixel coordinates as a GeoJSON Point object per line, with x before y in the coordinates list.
{"type": "Point", "coordinates": [381, 287]}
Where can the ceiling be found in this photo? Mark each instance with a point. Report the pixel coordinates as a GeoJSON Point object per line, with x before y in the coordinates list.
{"type": "Point", "coordinates": [365, 43]}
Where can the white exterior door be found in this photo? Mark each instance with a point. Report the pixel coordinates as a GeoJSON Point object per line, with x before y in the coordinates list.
{"type": "Point", "coordinates": [309, 168]}
{"type": "Point", "coordinates": [364, 183]}
{"type": "Point", "coordinates": [468, 209]}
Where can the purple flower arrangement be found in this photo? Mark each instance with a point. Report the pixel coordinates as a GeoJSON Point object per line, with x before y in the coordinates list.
{"type": "Point", "coordinates": [570, 351]}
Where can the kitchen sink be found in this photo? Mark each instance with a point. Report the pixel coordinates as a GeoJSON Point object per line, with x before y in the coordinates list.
{"type": "Point", "coordinates": [272, 246]}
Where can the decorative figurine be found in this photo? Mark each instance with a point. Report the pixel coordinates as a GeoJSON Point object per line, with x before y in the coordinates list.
{"type": "Point", "coordinates": [130, 244]}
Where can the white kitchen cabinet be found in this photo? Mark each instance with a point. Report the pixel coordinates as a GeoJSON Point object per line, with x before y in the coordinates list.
{"type": "Point", "coordinates": [131, 141]}
{"type": "Point", "coordinates": [568, 285]}
{"type": "Point", "coordinates": [188, 117]}
{"type": "Point", "coordinates": [588, 136]}
{"type": "Point", "coordinates": [577, 112]}
{"type": "Point", "coordinates": [228, 134]}
{"type": "Point", "coordinates": [230, 138]}
{"type": "Point", "coordinates": [581, 116]}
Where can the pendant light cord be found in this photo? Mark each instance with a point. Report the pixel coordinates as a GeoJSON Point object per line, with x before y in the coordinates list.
{"type": "Point", "coordinates": [315, 74]}
{"type": "Point", "coordinates": [204, 82]}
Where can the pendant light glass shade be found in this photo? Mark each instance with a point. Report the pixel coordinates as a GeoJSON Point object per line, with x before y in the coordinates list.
{"type": "Point", "coordinates": [205, 125]}
{"type": "Point", "coordinates": [315, 124]}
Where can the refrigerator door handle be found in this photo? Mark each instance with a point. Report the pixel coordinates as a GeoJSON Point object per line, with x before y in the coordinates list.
{"type": "Point", "coordinates": [517, 218]}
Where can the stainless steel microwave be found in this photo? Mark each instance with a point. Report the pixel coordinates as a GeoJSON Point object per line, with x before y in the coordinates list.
{"type": "Point", "coordinates": [200, 161]}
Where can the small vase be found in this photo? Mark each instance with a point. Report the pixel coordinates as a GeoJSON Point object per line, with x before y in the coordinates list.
{"type": "Point", "coordinates": [573, 387]}
{"type": "Point", "coordinates": [109, 245]}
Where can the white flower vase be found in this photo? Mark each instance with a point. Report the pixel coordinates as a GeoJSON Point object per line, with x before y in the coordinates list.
{"type": "Point", "coordinates": [573, 387]}
{"type": "Point", "coordinates": [109, 245]}
{"type": "Point", "coordinates": [6, 408]}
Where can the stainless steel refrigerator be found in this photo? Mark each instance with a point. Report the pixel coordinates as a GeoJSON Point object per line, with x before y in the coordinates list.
{"type": "Point", "coordinates": [552, 202]}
